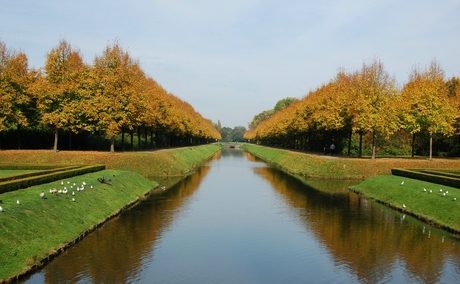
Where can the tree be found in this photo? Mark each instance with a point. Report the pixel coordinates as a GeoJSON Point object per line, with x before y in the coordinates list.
{"type": "Point", "coordinates": [117, 78]}
{"type": "Point", "coordinates": [426, 104]}
{"type": "Point", "coordinates": [58, 89]}
{"type": "Point", "coordinates": [16, 103]}
{"type": "Point", "coordinates": [374, 108]}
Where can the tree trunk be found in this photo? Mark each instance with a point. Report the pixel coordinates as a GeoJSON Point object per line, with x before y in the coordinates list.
{"type": "Point", "coordinates": [55, 140]}
{"type": "Point", "coordinates": [112, 144]}
{"type": "Point", "coordinates": [122, 139]}
{"type": "Point", "coordinates": [373, 145]}
{"type": "Point", "coordinates": [132, 139]}
{"type": "Point", "coordinates": [431, 147]}
{"type": "Point", "coordinates": [360, 144]}
{"type": "Point", "coordinates": [139, 138]}
{"type": "Point", "coordinates": [19, 137]}
{"type": "Point", "coordinates": [413, 144]}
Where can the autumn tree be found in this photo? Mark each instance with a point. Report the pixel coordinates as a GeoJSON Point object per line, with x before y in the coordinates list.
{"type": "Point", "coordinates": [16, 103]}
{"type": "Point", "coordinates": [57, 89]}
{"type": "Point", "coordinates": [426, 104]}
{"type": "Point", "coordinates": [375, 112]}
{"type": "Point", "coordinates": [117, 78]}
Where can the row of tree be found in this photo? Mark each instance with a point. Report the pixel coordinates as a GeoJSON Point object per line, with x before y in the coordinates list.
{"type": "Point", "coordinates": [366, 102]}
{"type": "Point", "coordinates": [108, 98]}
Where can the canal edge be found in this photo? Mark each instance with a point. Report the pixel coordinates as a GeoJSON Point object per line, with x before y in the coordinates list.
{"type": "Point", "coordinates": [50, 257]}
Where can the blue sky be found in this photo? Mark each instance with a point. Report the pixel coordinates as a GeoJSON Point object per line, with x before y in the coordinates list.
{"type": "Point", "coordinates": [233, 59]}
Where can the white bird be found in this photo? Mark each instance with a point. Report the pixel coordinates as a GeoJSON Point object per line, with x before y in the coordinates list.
{"type": "Point", "coordinates": [440, 190]}
{"type": "Point", "coordinates": [42, 195]}
{"type": "Point", "coordinates": [91, 186]}
{"type": "Point", "coordinates": [60, 191]}
{"type": "Point", "coordinates": [447, 191]}
{"type": "Point", "coordinates": [444, 194]}
{"type": "Point", "coordinates": [404, 205]}
{"type": "Point", "coordinates": [17, 202]}
{"type": "Point", "coordinates": [73, 192]}
{"type": "Point", "coordinates": [73, 199]}
{"type": "Point", "coordinates": [84, 183]}
{"type": "Point", "coordinates": [1, 209]}
{"type": "Point", "coordinates": [64, 191]}
{"type": "Point", "coordinates": [62, 182]}
{"type": "Point", "coordinates": [431, 191]}
{"type": "Point", "coordinates": [455, 198]}
{"type": "Point", "coordinates": [424, 189]}
{"type": "Point", "coordinates": [402, 183]}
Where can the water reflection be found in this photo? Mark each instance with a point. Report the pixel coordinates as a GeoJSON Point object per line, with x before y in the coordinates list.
{"type": "Point", "coordinates": [118, 251]}
{"type": "Point", "coordinates": [237, 220]}
{"type": "Point", "coordinates": [370, 240]}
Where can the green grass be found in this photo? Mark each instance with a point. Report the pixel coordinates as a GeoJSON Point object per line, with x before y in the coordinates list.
{"type": "Point", "coordinates": [168, 162]}
{"type": "Point", "coordinates": [431, 207]}
{"type": "Point", "coordinates": [327, 167]}
{"type": "Point", "coordinates": [37, 227]}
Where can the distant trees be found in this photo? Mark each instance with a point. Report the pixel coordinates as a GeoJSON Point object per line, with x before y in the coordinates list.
{"type": "Point", "coordinates": [281, 104]}
{"type": "Point", "coordinates": [366, 102]}
{"type": "Point", "coordinates": [233, 134]}
{"type": "Point", "coordinates": [107, 98]}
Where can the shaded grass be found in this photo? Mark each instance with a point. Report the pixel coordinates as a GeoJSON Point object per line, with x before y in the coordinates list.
{"type": "Point", "coordinates": [434, 208]}
{"type": "Point", "coordinates": [36, 228]}
{"type": "Point", "coordinates": [327, 167]}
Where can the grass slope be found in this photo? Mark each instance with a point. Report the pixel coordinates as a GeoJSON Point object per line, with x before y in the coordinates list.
{"type": "Point", "coordinates": [36, 227]}
{"type": "Point", "coordinates": [169, 162]}
{"type": "Point", "coordinates": [432, 207]}
{"type": "Point", "coordinates": [320, 166]}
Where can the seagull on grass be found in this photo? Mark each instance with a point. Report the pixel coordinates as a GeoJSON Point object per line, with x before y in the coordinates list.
{"type": "Point", "coordinates": [42, 194]}
{"type": "Point", "coordinates": [402, 183]}
{"type": "Point", "coordinates": [17, 202]}
{"type": "Point", "coordinates": [404, 205]}
{"type": "Point", "coordinates": [1, 209]}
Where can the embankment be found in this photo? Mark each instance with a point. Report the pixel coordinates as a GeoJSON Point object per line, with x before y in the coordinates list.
{"type": "Point", "coordinates": [411, 198]}
{"type": "Point", "coordinates": [326, 167]}
{"type": "Point", "coordinates": [36, 230]}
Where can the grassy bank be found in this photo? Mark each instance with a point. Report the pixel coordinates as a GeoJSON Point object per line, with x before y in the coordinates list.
{"type": "Point", "coordinates": [379, 184]}
{"type": "Point", "coordinates": [327, 167]}
{"type": "Point", "coordinates": [169, 162]}
{"type": "Point", "coordinates": [36, 229]}
{"type": "Point", "coordinates": [434, 207]}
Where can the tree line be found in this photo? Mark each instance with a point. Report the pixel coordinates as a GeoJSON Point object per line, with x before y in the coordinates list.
{"type": "Point", "coordinates": [105, 101]}
{"type": "Point", "coordinates": [367, 106]}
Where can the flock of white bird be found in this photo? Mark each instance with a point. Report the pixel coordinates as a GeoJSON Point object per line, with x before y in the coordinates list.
{"type": "Point", "coordinates": [67, 187]}
{"type": "Point", "coordinates": [443, 193]}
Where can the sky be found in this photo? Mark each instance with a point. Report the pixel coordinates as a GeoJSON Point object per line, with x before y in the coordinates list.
{"type": "Point", "coordinates": [234, 59]}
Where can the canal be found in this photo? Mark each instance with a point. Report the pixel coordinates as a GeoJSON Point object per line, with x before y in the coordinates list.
{"type": "Point", "coordinates": [239, 220]}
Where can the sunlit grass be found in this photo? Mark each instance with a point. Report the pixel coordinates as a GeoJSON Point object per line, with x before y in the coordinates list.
{"type": "Point", "coordinates": [411, 197]}
{"type": "Point", "coordinates": [35, 228]}
{"type": "Point", "coordinates": [319, 166]}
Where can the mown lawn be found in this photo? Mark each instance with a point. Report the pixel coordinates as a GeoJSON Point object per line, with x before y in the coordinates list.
{"type": "Point", "coordinates": [319, 166]}
{"type": "Point", "coordinates": [35, 228]}
{"type": "Point", "coordinates": [436, 204]}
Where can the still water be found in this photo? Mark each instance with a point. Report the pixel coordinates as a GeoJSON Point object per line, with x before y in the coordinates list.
{"type": "Point", "coordinates": [238, 220]}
